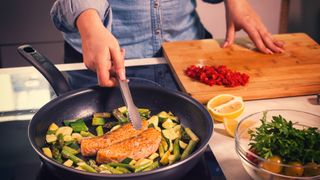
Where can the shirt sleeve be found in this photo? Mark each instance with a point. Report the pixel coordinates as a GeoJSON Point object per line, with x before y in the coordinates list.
{"type": "Point", "coordinates": [213, 1]}
{"type": "Point", "coordinates": [65, 12]}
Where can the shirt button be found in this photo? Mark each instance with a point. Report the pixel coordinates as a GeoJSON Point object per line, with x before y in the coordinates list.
{"type": "Point", "coordinates": [158, 31]}
{"type": "Point", "coordinates": [156, 4]}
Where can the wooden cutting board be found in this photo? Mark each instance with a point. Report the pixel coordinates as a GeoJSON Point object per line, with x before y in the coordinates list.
{"type": "Point", "coordinates": [292, 73]}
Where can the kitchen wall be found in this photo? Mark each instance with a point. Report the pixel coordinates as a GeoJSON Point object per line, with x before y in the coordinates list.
{"type": "Point", "coordinates": [29, 22]}
{"type": "Point", "coordinates": [213, 16]}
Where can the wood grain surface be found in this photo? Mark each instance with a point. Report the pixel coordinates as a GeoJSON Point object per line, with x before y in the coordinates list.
{"type": "Point", "coordinates": [292, 73]}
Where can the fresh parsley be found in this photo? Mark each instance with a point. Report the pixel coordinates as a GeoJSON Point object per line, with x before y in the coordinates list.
{"type": "Point", "coordinates": [280, 137]}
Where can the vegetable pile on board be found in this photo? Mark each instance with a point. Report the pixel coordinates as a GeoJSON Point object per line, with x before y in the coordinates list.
{"type": "Point", "coordinates": [220, 75]}
{"type": "Point", "coordinates": [63, 143]}
{"type": "Point", "coordinates": [280, 142]}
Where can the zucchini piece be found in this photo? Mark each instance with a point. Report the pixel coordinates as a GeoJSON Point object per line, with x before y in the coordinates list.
{"type": "Point", "coordinates": [164, 144]}
{"type": "Point", "coordinates": [143, 166]}
{"type": "Point", "coordinates": [189, 149]}
{"type": "Point", "coordinates": [161, 150]}
{"type": "Point", "coordinates": [98, 121]}
{"type": "Point", "coordinates": [86, 134]}
{"type": "Point", "coordinates": [101, 115]}
{"type": "Point", "coordinates": [172, 117]}
{"type": "Point", "coordinates": [70, 150]}
{"type": "Point", "coordinates": [158, 129]}
{"type": "Point", "coordinates": [167, 124]}
{"type": "Point", "coordinates": [105, 171]}
{"type": "Point", "coordinates": [47, 152]}
{"type": "Point", "coordinates": [170, 134]}
{"type": "Point", "coordinates": [77, 137]}
{"type": "Point", "coordinates": [144, 113]}
{"type": "Point", "coordinates": [143, 161]}
{"type": "Point", "coordinates": [154, 120]}
{"type": "Point", "coordinates": [154, 165]}
{"type": "Point", "coordinates": [182, 144]}
{"type": "Point", "coordinates": [184, 136]}
{"type": "Point", "coordinates": [122, 110]}
{"type": "Point", "coordinates": [51, 138]}
{"type": "Point", "coordinates": [124, 170]}
{"type": "Point", "coordinates": [153, 156]}
{"type": "Point", "coordinates": [165, 158]}
{"type": "Point", "coordinates": [162, 116]}
{"type": "Point", "coordinates": [79, 168]}
{"type": "Point", "coordinates": [193, 136]}
{"type": "Point", "coordinates": [170, 146]}
{"type": "Point", "coordinates": [79, 125]}
{"type": "Point", "coordinates": [115, 128]}
{"type": "Point", "coordinates": [86, 167]}
{"type": "Point", "coordinates": [93, 164]}
{"type": "Point", "coordinates": [171, 159]}
{"type": "Point", "coordinates": [126, 160]}
{"type": "Point", "coordinates": [67, 138]}
{"type": "Point", "coordinates": [133, 162]}
{"type": "Point", "coordinates": [176, 152]}
{"type": "Point", "coordinates": [64, 130]}
{"type": "Point", "coordinates": [99, 131]}
{"type": "Point", "coordinates": [119, 116]}
{"type": "Point", "coordinates": [104, 167]}
{"type": "Point", "coordinates": [68, 155]}
{"type": "Point", "coordinates": [53, 127]}
{"type": "Point", "coordinates": [68, 163]}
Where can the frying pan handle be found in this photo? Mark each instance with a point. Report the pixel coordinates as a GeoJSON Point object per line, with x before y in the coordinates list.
{"type": "Point", "coordinates": [46, 68]}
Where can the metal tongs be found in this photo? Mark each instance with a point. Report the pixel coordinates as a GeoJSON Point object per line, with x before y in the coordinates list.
{"type": "Point", "coordinates": [133, 113]}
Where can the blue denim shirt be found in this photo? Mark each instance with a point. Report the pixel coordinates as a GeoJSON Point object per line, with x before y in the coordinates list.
{"type": "Point", "coordinates": [140, 26]}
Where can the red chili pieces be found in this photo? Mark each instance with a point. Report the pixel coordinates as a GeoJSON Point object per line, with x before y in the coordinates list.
{"type": "Point", "coordinates": [220, 75]}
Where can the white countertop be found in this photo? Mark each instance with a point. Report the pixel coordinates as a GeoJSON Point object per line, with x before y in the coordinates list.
{"type": "Point", "coordinates": [221, 144]}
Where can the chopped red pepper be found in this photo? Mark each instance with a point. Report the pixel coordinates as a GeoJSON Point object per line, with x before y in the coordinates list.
{"type": "Point", "coordinates": [220, 75]}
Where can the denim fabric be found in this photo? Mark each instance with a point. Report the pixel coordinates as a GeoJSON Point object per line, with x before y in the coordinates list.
{"type": "Point", "coordinates": [154, 75]}
{"type": "Point", "coordinates": [140, 26]}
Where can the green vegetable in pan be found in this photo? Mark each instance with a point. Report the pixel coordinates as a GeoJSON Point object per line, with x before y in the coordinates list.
{"type": "Point", "coordinates": [63, 143]}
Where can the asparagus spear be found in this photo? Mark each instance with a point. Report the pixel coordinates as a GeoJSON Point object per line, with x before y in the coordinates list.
{"type": "Point", "coordinates": [191, 145]}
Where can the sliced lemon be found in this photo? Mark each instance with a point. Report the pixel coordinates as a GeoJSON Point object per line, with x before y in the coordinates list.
{"type": "Point", "coordinates": [225, 106]}
{"type": "Point", "coordinates": [230, 126]}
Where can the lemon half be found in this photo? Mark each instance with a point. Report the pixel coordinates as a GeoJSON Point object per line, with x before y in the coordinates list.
{"type": "Point", "coordinates": [225, 106]}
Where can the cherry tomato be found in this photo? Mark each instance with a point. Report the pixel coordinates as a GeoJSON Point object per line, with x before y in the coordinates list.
{"type": "Point", "coordinates": [272, 164]}
{"type": "Point", "coordinates": [312, 169]}
{"type": "Point", "coordinates": [252, 158]}
{"type": "Point", "coordinates": [295, 170]}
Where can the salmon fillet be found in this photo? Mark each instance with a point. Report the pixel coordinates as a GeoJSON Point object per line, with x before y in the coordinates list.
{"type": "Point", "coordinates": [90, 146]}
{"type": "Point", "coordinates": [135, 148]}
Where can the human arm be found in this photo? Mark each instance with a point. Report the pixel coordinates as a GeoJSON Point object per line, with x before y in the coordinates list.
{"type": "Point", "coordinates": [100, 48]}
{"type": "Point", "coordinates": [240, 15]}
{"type": "Point", "coordinates": [88, 19]}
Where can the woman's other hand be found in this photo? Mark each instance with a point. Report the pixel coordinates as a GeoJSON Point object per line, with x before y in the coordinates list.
{"type": "Point", "coordinates": [239, 16]}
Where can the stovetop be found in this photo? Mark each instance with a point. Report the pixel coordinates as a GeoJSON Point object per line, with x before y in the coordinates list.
{"type": "Point", "coordinates": [18, 161]}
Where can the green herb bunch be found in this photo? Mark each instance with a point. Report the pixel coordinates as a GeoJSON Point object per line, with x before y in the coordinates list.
{"type": "Point", "coordinates": [280, 137]}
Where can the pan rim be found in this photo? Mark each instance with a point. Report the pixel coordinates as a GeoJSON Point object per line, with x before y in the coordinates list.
{"type": "Point", "coordinates": [156, 171]}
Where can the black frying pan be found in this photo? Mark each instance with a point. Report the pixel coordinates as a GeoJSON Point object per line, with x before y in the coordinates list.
{"type": "Point", "coordinates": [84, 102]}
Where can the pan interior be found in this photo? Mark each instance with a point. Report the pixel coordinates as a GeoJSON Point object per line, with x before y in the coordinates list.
{"type": "Point", "coordinates": [83, 103]}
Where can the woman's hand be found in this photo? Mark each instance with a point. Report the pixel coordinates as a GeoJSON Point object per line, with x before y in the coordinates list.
{"type": "Point", "coordinates": [101, 50]}
{"type": "Point", "coordinates": [239, 16]}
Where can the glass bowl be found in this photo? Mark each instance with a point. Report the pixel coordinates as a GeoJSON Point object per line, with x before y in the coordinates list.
{"type": "Point", "coordinates": [253, 163]}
